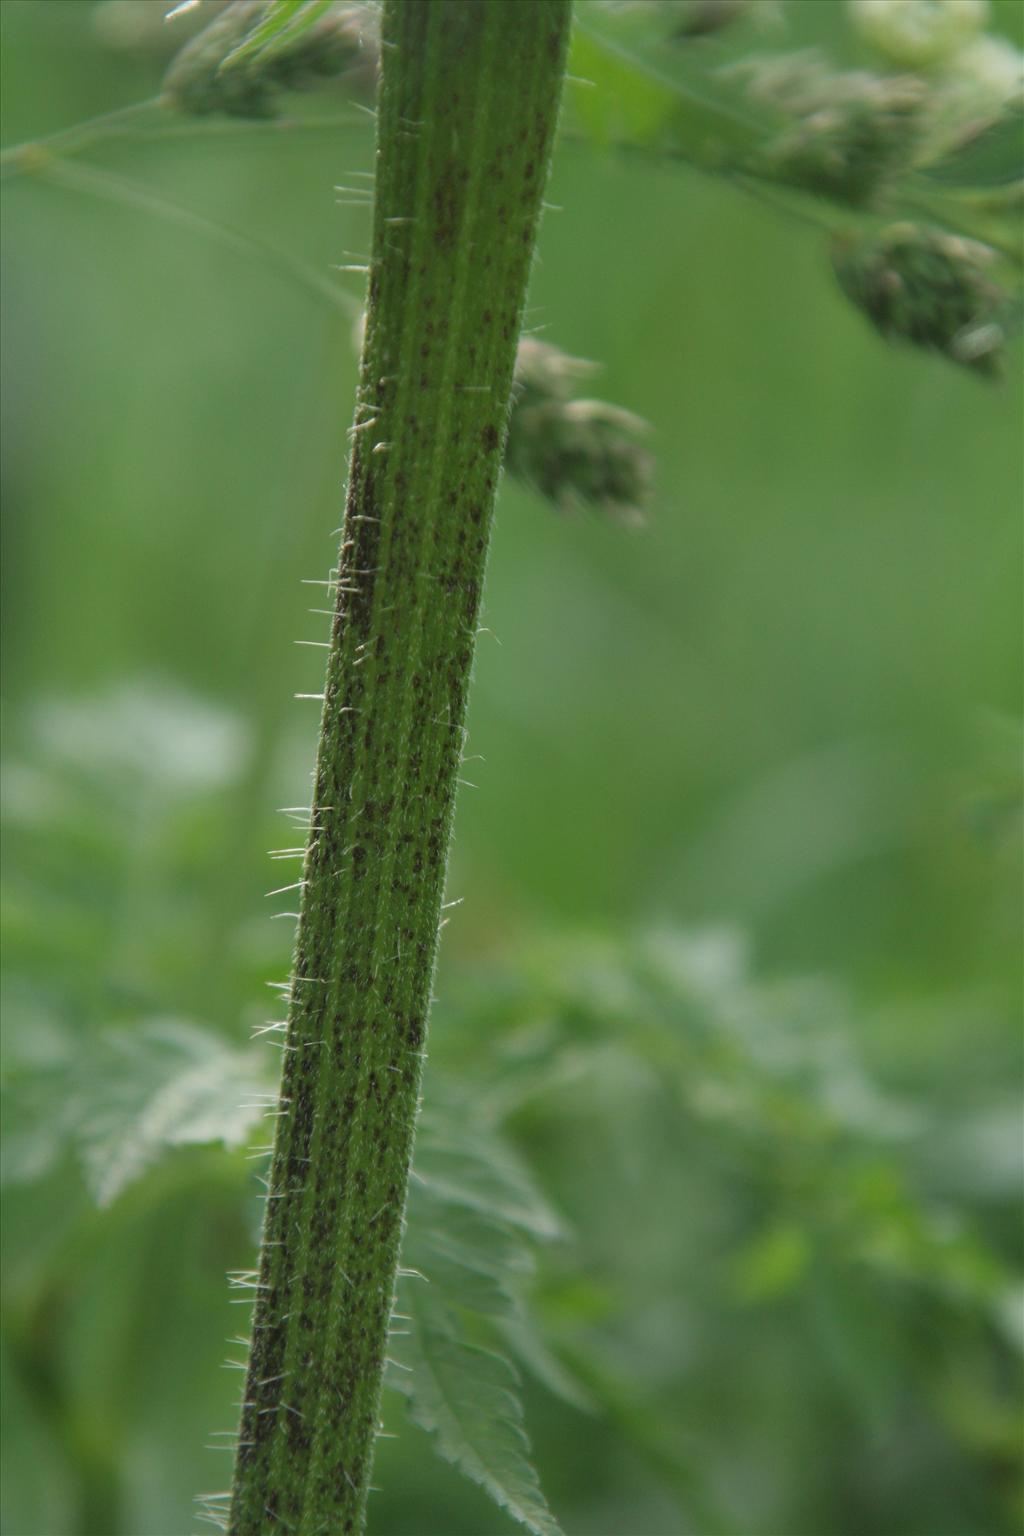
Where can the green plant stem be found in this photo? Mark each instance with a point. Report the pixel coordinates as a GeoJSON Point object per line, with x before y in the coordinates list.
{"type": "Point", "coordinates": [466, 116]}
{"type": "Point", "coordinates": [30, 156]}
{"type": "Point", "coordinates": [97, 182]}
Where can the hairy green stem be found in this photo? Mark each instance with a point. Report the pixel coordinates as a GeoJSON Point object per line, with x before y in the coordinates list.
{"type": "Point", "coordinates": [466, 115]}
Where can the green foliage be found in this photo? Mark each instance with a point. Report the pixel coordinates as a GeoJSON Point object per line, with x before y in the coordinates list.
{"type": "Point", "coordinates": [862, 140]}
{"type": "Point", "coordinates": [474, 1219]}
{"type": "Point", "coordinates": [133, 1096]}
{"type": "Point", "coordinates": [942, 142]}
{"type": "Point", "coordinates": [466, 1396]}
{"type": "Point", "coordinates": [809, 1192]}
{"type": "Point", "coordinates": [625, 89]}
{"type": "Point", "coordinates": [781, 1290]}
{"type": "Point", "coordinates": [773, 1068]}
{"type": "Point", "coordinates": [990, 156]}
{"type": "Point", "coordinates": [281, 23]}
{"type": "Point", "coordinates": [748, 1099]}
{"type": "Point", "coordinates": [790, 1176]}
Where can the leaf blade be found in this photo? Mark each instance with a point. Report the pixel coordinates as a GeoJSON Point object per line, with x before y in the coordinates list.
{"type": "Point", "coordinates": [466, 1398]}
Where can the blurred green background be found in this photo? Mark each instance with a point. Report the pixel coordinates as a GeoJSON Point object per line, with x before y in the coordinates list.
{"type": "Point", "coordinates": [787, 708]}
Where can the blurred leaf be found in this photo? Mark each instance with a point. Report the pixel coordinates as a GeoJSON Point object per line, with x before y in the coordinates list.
{"type": "Point", "coordinates": [462, 1162]}
{"type": "Point", "coordinates": [131, 1098]}
{"type": "Point", "coordinates": [613, 98]}
{"type": "Point", "coordinates": [735, 1154]}
{"type": "Point", "coordinates": [768, 1076]}
{"type": "Point", "coordinates": [991, 157]}
{"type": "Point", "coordinates": [474, 1217]}
{"type": "Point", "coordinates": [287, 17]}
{"type": "Point", "coordinates": [36, 1496]}
{"type": "Point", "coordinates": [774, 1264]}
{"type": "Point", "coordinates": [145, 731]}
{"type": "Point", "coordinates": [1011, 1315]}
{"type": "Point", "coordinates": [166, 1084]}
{"type": "Point", "coordinates": [619, 92]}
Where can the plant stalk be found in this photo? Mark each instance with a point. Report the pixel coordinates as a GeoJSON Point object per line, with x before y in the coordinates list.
{"type": "Point", "coordinates": [466, 114]}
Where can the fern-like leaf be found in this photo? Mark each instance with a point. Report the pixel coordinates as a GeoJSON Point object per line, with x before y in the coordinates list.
{"type": "Point", "coordinates": [474, 1218]}
{"type": "Point", "coordinates": [166, 1084]}
{"type": "Point", "coordinates": [134, 1096]}
{"type": "Point", "coordinates": [467, 1398]}
{"type": "Point", "coordinates": [284, 22]}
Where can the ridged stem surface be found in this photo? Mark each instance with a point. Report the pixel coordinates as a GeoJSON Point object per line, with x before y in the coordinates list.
{"type": "Point", "coordinates": [466, 115]}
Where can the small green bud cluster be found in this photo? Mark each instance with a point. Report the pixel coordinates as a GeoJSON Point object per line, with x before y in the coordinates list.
{"type": "Point", "coordinates": [576, 452]}
{"type": "Point", "coordinates": [973, 76]}
{"type": "Point", "coordinates": [203, 78]}
{"type": "Point", "coordinates": [848, 134]}
{"type": "Point", "coordinates": [929, 288]}
{"type": "Point", "coordinates": [918, 34]}
{"type": "Point", "coordinates": [987, 77]}
{"type": "Point", "coordinates": [974, 88]}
